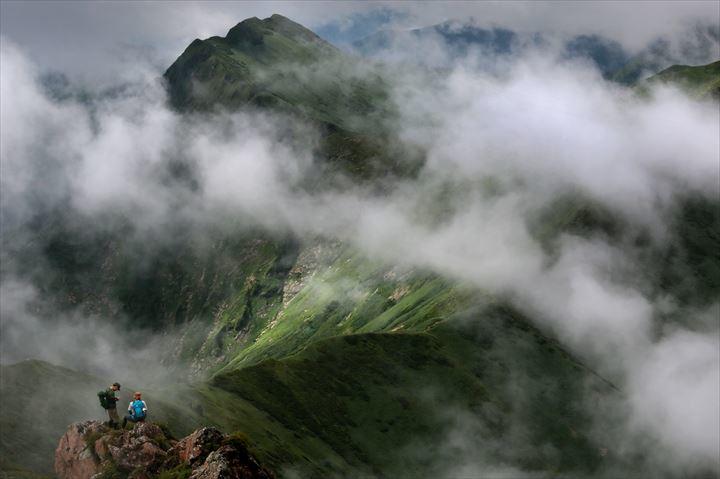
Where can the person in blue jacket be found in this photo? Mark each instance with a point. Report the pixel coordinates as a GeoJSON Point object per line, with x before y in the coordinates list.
{"type": "Point", "coordinates": [137, 410]}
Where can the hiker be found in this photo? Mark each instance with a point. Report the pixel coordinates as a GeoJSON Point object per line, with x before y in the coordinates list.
{"type": "Point", "coordinates": [109, 400]}
{"type": "Point", "coordinates": [137, 409]}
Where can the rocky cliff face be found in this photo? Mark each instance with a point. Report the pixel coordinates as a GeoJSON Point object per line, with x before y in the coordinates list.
{"type": "Point", "coordinates": [89, 449]}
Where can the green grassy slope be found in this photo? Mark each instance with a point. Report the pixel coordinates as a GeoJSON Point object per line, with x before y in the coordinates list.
{"type": "Point", "coordinates": [390, 403]}
{"type": "Point", "coordinates": [702, 82]}
{"type": "Point", "coordinates": [353, 294]}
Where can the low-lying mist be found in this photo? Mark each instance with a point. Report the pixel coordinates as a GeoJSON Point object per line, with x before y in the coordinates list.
{"type": "Point", "coordinates": [500, 149]}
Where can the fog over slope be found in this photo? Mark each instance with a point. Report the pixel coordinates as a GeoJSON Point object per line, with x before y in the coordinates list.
{"type": "Point", "coordinates": [505, 147]}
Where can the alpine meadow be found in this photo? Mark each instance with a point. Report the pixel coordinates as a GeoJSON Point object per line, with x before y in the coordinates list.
{"type": "Point", "coordinates": [453, 240]}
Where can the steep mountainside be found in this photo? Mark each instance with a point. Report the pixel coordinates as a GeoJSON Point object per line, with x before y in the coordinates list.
{"type": "Point", "coordinates": [378, 403]}
{"type": "Point", "coordinates": [278, 65]}
{"type": "Point", "coordinates": [179, 286]}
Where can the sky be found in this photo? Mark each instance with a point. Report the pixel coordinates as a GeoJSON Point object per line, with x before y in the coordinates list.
{"type": "Point", "coordinates": [96, 39]}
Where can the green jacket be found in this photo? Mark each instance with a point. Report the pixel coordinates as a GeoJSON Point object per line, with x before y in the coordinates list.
{"type": "Point", "coordinates": [112, 399]}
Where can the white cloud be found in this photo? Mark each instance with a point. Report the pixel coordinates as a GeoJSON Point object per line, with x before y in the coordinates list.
{"type": "Point", "coordinates": [674, 393]}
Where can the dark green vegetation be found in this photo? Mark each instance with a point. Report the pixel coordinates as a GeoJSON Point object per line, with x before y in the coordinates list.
{"type": "Point", "coordinates": [686, 265]}
{"type": "Point", "coordinates": [690, 265]}
{"type": "Point", "coordinates": [390, 403]}
{"type": "Point", "coordinates": [380, 402]}
{"type": "Point", "coordinates": [327, 361]}
{"type": "Point", "coordinates": [701, 82]}
{"type": "Point", "coordinates": [277, 65]}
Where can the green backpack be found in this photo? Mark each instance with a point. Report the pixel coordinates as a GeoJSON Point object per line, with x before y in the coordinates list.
{"type": "Point", "coordinates": [104, 397]}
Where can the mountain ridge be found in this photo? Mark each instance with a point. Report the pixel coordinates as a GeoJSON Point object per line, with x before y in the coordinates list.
{"type": "Point", "coordinates": [613, 61]}
{"type": "Point", "coordinates": [700, 81]}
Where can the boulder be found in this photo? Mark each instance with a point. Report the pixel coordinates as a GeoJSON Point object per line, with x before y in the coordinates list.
{"type": "Point", "coordinates": [101, 448]}
{"type": "Point", "coordinates": [146, 431]}
{"type": "Point", "coordinates": [230, 462]}
{"type": "Point", "coordinates": [74, 458]}
{"type": "Point", "coordinates": [137, 454]}
{"type": "Point", "coordinates": [88, 447]}
{"type": "Point", "coordinates": [194, 448]}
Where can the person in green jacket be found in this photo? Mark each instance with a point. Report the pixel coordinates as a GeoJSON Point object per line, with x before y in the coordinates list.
{"type": "Point", "coordinates": [112, 405]}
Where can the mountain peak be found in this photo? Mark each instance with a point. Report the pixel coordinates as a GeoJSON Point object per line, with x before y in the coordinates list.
{"type": "Point", "coordinates": [234, 70]}
{"type": "Point", "coordinates": [254, 30]}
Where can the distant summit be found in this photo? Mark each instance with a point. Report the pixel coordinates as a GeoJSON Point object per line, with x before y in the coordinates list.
{"type": "Point", "coordinates": [225, 70]}
{"type": "Point", "coordinates": [279, 66]}
{"type": "Point", "coordinates": [458, 37]}
{"type": "Point", "coordinates": [255, 30]}
{"type": "Point", "coordinates": [457, 40]}
{"type": "Point", "coordinates": [453, 40]}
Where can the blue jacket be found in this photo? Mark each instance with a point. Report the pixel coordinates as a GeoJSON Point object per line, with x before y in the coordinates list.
{"type": "Point", "coordinates": [137, 408]}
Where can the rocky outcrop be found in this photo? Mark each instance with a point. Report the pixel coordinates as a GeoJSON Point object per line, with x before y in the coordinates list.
{"type": "Point", "coordinates": [230, 462]}
{"type": "Point", "coordinates": [90, 449]}
{"type": "Point", "coordinates": [74, 457]}
{"type": "Point", "coordinates": [195, 448]}
{"type": "Point", "coordinates": [141, 448]}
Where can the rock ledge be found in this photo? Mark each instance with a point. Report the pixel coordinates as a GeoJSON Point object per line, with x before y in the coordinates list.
{"type": "Point", "coordinates": [91, 450]}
